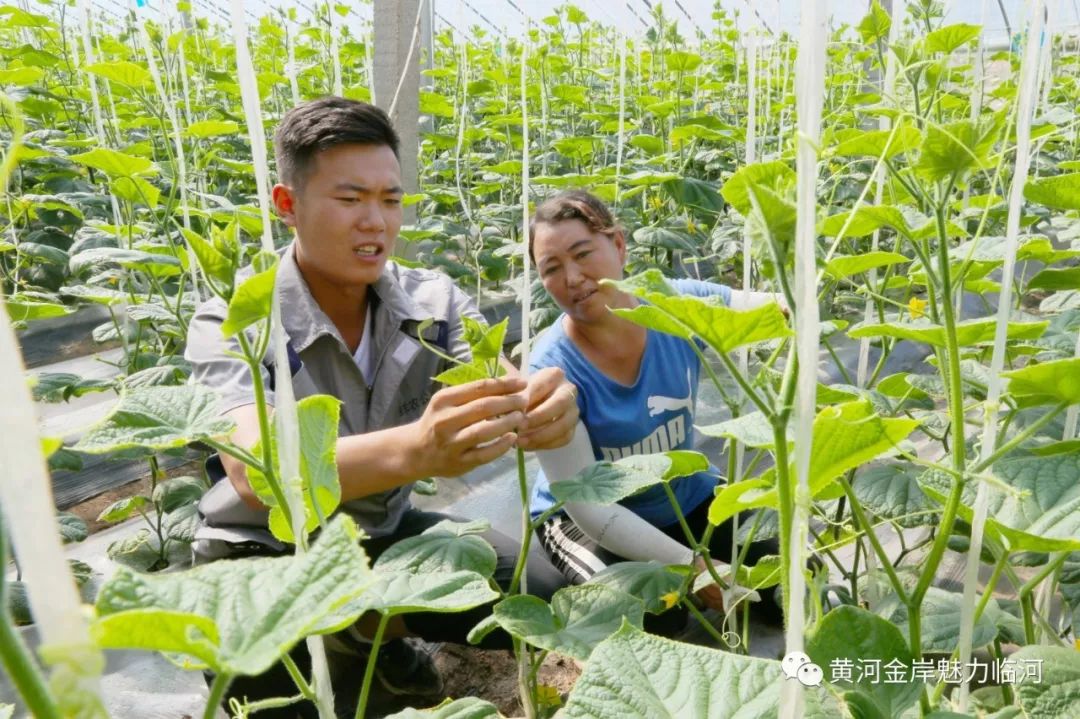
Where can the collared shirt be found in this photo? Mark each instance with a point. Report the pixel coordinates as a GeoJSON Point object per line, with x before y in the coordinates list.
{"type": "Point", "coordinates": [396, 394]}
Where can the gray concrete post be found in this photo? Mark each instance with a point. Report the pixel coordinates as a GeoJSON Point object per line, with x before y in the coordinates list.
{"type": "Point", "coordinates": [395, 21]}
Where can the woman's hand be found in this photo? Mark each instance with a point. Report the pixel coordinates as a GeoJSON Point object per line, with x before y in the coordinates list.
{"type": "Point", "coordinates": [551, 411]}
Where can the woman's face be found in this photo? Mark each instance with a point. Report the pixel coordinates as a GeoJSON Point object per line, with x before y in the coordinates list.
{"type": "Point", "coordinates": [571, 260]}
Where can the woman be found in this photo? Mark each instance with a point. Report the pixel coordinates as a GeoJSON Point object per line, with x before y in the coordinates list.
{"type": "Point", "coordinates": [636, 395]}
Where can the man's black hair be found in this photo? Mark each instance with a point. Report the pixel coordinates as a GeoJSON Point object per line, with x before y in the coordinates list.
{"type": "Point", "coordinates": [311, 127]}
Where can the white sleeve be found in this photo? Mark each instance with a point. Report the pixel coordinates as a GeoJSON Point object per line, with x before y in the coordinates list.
{"type": "Point", "coordinates": [748, 300]}
{"type": "Point", "coordinates": [614, 527]}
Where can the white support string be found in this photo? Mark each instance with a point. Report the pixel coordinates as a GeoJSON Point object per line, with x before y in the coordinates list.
{"type": "Point", "coordinates": [810, 90]}
{"type": "Point", "coordinates": [178, 145]}
{"type": "Point", "coordinates": [285, 418]}
{"type": "Point", "coordinates": [1029, 72]}
{"type": "Point", "coordinates": [95, 100]}
{"type": "Point", "coordinates": [622, 116]}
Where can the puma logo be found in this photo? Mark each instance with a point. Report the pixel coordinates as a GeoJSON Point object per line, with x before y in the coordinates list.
{"type": "Point", "coordinates": [658, 403]}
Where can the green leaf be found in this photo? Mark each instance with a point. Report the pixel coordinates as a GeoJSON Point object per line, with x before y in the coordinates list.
{"type": "Point", "coordinates": [72, 529]}
{"type": "Point", "coordinates": [940, 621]}
{"type": "Point", "coordinates": [892, 491]}
{"type": "Point", "coordinates": [776, 175]}
{"type": "Point", "coordinates": [447, 547]}
{"type": "Point", "coordinates": [135, 190]}
{"type": "Point", "coordinates": [845, 437]}
{"type": "Point", "coordinates": [1060, 192]}
{"type": "Point", "coordinates": [115, 164]}
{"type": "Point", "coordinates": [403, 592]}
{"type": "Point", "coordinates": [182, 523]}
{"type": "Point", "coordinates": [123, 72]}
{"type": "Point", "coordinates": [577, 620]}
{"type": "Point", "coordinates": [1053, 279]}
{"type": "Point", "coordinates": [750, 430]}
{"type": "Point", "coordinates": [867, 219]}
{"type": "Point", "coordinates": [878, 143]}
{"type": "Point", "coordinates": [96, 258]}
{"type": "Point", "coordinates": [432, 103]}
{"type": "Point", "coordinates": [251, 302]}
{"type": "Point", "coordinates": [486, 342]}
{"type": "Point", "coordinates": [20, 310]}
{"type": "Point", "coordinates": [240, 616]}
{"type": "Point", "coordinates": [969, 332]}
{"type": "Point", "coordinates": [651, 144]}
{"type": "Point", "coordinates": [318, 417]}
{"type": "Point", "coordinates": [178, 491]}
{"type": "Point", "coordinates": [157, 418]}
{"type": "Point", "coordinates": [721, 327]}
{"type": "Point", "coordinates": [957, 148]}
{"type": "Point", "coordinates": [212, 128]}
{"type": "Point", "coordinates": [648, 581]}
{"type": "Point", "coordinates": [845, 266]}
{"type": "Point", "coordinates": [213, 263]}
{"type": "Point", "coordinates": [696, 195]}
{"type": "Point", "coordinates": [468, 708]}
{"type": "Point", "coordinates": [122, 509]}
{"type": "Point", "coordinates": [469, 372]}
{"type": "Point", "coordinates": [951, 37]}
{"type": "Point", "coordinates": [634, 675]}
{"type": "Point", "coordinates": [875, 25]}
{"type": "Point", "coordinates": [1057, 694]}
{"type": "Point", "coordinates": [609, 482]}
{"type": "Point", "coordinates": [852, 632]}
{"type": "Point", "coordinates": [1037, 509]}
{"type": "Point", "coordinates": [26, 76]}
{"type": "Point", "coordinates": [1046, 382]}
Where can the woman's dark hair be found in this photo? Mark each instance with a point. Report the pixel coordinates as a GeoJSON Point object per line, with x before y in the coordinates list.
{"type": "Point", "coordinates": [311, 127]}
{"type": "Point", "coordinates": [573, 205]}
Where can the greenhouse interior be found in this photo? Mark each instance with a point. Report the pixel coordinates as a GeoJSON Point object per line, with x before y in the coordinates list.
{"type": "Point", "coordinates": [690, 359]}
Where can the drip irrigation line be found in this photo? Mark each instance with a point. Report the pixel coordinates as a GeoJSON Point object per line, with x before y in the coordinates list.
{"type": "Point", "coordinates": [514, 5]}
{"type": "Point", "coordinates": [758, 16]}
{"type": "Point", "coordinates": [446, 22]}
{"type": "Point", "coordinates": [681, 8]}
{"type": "Point", "coordinates": [634, 13]}
{"type": "Point", "coordinates": [483, 17]}
{"type": "Point", "coordinates": [1005, 17]}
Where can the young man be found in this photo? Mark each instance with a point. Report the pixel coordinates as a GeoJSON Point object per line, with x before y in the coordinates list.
{"type": "Point", "coordinates": [352, 321]}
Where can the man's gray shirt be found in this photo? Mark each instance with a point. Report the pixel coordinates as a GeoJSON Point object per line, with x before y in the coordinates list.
{"type": "Point", "coordinates": [397, 394]}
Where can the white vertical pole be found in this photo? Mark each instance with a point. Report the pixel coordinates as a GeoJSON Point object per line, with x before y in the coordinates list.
{"type": "Point", "coordinates": [622, 114]}
{"type": "Point", "coordinates": [335, 55]}
{"type": "Point", "coordinates": [26, 495]}
{"type": "Point", "coordinates": [810, 89]}
{"type": "Point", "coordinates": [1029, 69]}
{"type": "Point", "coordinates": [285, 420]}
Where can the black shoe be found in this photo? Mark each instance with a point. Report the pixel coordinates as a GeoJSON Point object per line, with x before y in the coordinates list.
{"type": "Point", "coordinates": [404, 667]}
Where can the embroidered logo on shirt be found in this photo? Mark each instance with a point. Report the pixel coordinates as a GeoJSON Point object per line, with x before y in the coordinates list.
{"type": "Point", "coordinates": [658, 403]}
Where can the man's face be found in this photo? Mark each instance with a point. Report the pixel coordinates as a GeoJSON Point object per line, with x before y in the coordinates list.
{"type": "Point", "coordinates": [347, 215]}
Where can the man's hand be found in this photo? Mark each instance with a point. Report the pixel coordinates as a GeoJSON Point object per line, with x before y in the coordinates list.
{"type": "Point", "coordinates": [551, 411]}
{"type": "Point", "coordinates": [469, 425]}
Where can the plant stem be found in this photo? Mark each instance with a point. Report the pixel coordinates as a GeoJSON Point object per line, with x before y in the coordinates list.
{"type": "Point", "coordinates": [217, 691]}
{"type": "Point", "coordinates": [265, 431]}
{"type": "Point", "coordinates": [871, 535]}
{"type": "Point", "coordinates": [526, 524]}
{"type": "Point", "coordinates": [16, 658]}
{"type": "Point", "coordinates": [298, 678]}
{"type": "Point", "coordinates": [369, 670]}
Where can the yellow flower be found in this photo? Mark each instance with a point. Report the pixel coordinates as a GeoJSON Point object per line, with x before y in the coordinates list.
{"type": "Point", "coordinates": [656, 202]}
{"type": "Point", "coordinates": [670, 599]}
{"type": "Point", "coordinates": [548, 696]}
{"type": "Point", "coordinates": [690, 226]}
{"type": "Point", "coordinates": [916, 308]}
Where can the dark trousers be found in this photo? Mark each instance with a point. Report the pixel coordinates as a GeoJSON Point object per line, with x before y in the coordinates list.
{"type": "Point", "coordinates": [542, 581]}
